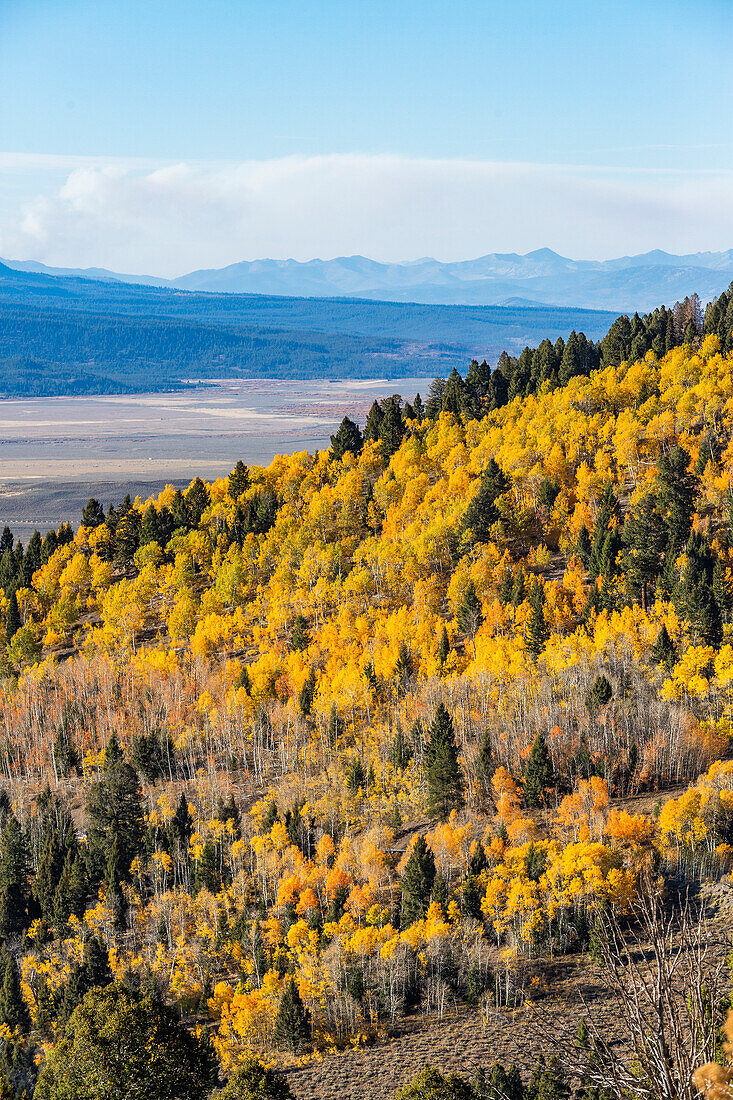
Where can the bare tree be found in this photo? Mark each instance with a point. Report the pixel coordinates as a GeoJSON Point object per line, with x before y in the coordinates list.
{"type": "Point", "coordinates": [665, 973]}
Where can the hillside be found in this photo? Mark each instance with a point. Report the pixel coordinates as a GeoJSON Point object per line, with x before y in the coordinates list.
{"type": "Point", "coordinates": [541, 277]}
{"type": "Point", "coordinates": [66, 335]}
{"type": "Point", "coordinates": [403, 732]}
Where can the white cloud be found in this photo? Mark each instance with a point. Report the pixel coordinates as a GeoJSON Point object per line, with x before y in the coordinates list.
{"type": "Point", "coordinates": [169, 218]}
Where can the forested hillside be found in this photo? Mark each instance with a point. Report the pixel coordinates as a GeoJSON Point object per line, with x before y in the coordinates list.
{"type": "Point", "coordinates": [356, 737]}
{"type": "Point", "coordinates": [62, 335]}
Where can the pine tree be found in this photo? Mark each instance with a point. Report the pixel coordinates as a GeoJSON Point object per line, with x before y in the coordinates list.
{"type": "Point", "coordinates": [443, 771]}
{"type": "Point", "coordinates": [13, 1009]}
{"type": "Point", "coordinates": [117, 825]}
{"type": "Point", "coordinates": [334, 725]}
{"type": "Point", "coordinates": [392, 427]}
{"type": "Point", "coordinates": [92, 514]}
{"type": "Point", "coordinates": [677, 491]}
{"type": "Point", "coordinates": [600, 693]}
{"type": "Point", "coordinates": [348, 439]}
{"type": "Point", "coordinates": [539, 774]}
{"type": "Point", "coordinates": [645, 537]}
{"type": "Point", "coordinates": [292, 1029]}
{"type": "Point", "coordinates": [470, 616]}
{"type": "Point", "coordinates": [251, 1080]}
{"type": "Point", "coordinates": [48, 875]}
{"type": "Point", "coordinates": [663, 650]}
{"type": "Point", "coordinates": [482, 511]}
{"type": "Point", "coordinates": [197, 501]}
{"type": "Point", "coordinates": [605, 521]}
{"type": "Point", "coordinates": [238, 481]}
{"type": "Point", "coordinates": [373, 423]}
{"type": "Point", "coordinates": [12, 621]}
{"type": "Point", "coordinates": [537, 632]}
{"type": "Point", "coordinates": [417, 883]}
{"type": "Point", "coordinates": [14, 893]}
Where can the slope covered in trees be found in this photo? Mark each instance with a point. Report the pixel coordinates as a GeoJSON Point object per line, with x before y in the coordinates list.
{"type": "Point", "coordinates": [322, 744]}
{"type": "Point", "coordinates": [61, 335]}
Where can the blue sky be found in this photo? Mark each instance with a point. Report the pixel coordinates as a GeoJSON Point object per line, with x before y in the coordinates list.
{"type": "Point", "coordinates": [255, 107]}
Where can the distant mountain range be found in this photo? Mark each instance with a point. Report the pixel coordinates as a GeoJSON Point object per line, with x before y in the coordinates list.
{"type": "Point", "coordinates": [66, 334]}
{"type": "Point", "coordinates": [540, 278]}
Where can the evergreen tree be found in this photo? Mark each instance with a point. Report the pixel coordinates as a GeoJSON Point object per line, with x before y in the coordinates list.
{"type": "Point", "coordinates": [431, 1084]}
{"type": "Point", "coordinates": [197, 501]}
{"type": "Point", "coordinates": [443, 772]}
{"type": "Point", "coordinates": [238, 481]}
{"type": "Point", "coordinates": [548, 1082]}
{"type": "Point", "coordinates": [292, 1029]}
{"type": "Point", "coordinates": [252, 1080]}
{"type": "Point", "coordinates": [373, 423]}
{"type": "Point", "coordinates": [677, 491]}
{"type": "Point", "coordinates": [127, 539]}
{"type": "Point", "coordinates": [600, 693]}
{"type": "Point", "coordinates": [13, 1009]}
{"type": "Point", "coordinates": [12, 621]}
{"type": "Point", "coordinates": [695, 594]}
{"type": "Point", "coordinates": [14, 892]}
{"type": "Point", "coordinates": [536, 631]}
{"type": "Point", "coordinates": [117, 825]}
{"type": "Point", "coordinates": [48, 875]}
{"type": "Point", "coordinates": [92, 514]}
{"type": "Point", "coordinates": [470, 615]}
{"type": "Point", "coordinates": [401, 753]}
{"type": "Point", "coordinates": [482, 511]}
{"type": "Point", "coordinates": [663, 651]}
{"type": "Point", "coordinates": [417, 883]}
{"type": "Point", "coordinates": [539, 774]}
{"type": "Point", "coordinates": [392, 427]}
{"type": "Point", "coordinates": [334, 725]}
{"type": "Point", "coordinates": [645, 537]}
{"type": "Point", "coordinates": [605, 520]}
{"type": "Point", "coordinates": [348, 438]}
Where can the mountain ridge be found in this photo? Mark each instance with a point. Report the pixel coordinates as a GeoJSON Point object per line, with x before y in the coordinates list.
{"type": "Point", "coordinates": [541, 277]}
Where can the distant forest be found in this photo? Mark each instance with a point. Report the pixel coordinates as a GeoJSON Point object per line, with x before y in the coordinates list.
{"type": "Point", "coordinates": [74, 336]}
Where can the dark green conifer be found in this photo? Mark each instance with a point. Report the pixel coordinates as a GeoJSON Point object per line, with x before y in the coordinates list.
{"type": "Point", "coordinates": [677, 491]}
{"type": "Point", "coordinates": [485, 764]}
{"type": "Point", "coordinates": [536, 631]}
{"type": "Point", "coordinates": [13, 1009]}
{"type": "Point", "coordinates": [470, 615]}
{"type": "Point", "coordinates": [392, 427]}
{"type": "Point", "coordinates": [12, 621]}
{"type": "Point", "coordinates": [482, 511]}
{"type": "Point", "coordinates": [348, 439]}
{"type": "Point", "coordinates": [238, 481]}
{"type": "Point", "coordinates": [373, 423]}
{"type": "Point", "coordinates": [14, 890]}
{"type": "Point", "coordinates": [663, 651]}
{"type": "Point", "coordinates": [292, 1029]}
{"type": "Point", "coordinates": [443, 772]}
{"type": "Point", "coordinates": [300, 635]}
{"type": "Point", "coordinates": [417, 883]}
{"type": "Point", "coordinates": [539, 774]}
